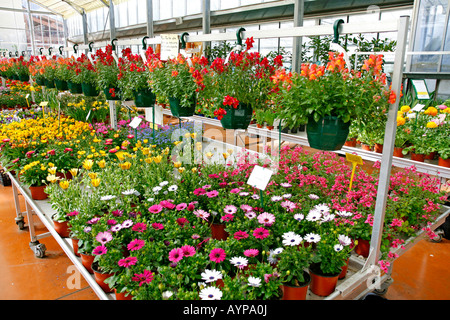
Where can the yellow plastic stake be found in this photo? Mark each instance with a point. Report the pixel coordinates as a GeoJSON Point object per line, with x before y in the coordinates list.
{"type": "Point", "coordinates": [43, 104]}
{"type": "Point", "coordinates": [355, 160]}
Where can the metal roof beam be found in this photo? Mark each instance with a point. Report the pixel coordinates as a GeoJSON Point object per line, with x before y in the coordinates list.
{"type": "Point", "coordinates": [45, 7]}
{"type": "Point", "coordinates": [74, 6]}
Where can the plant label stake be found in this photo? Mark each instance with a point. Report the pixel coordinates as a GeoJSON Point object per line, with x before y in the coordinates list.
{"type": "Point", "coordinates": [355, 160]}
{"type": "Point", "coordinates": [43, 104]}
{"type": "Point", "coordinates": [134, 124]}
{"type": "Point", "coordinates": [259, 178]}
{"type": "Point", "coordinates": [26, 98]}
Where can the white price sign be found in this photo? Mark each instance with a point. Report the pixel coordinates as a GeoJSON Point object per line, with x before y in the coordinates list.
{"type": "Point", "coordinates": [260, 177]}
{"type": "Point", "coordinates": [135, 122]}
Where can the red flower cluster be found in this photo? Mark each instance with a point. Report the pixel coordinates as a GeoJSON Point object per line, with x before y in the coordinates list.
{"type": "Point", "coordinates": [230, 101]}
{"type": "Point", "coordinates": [219, 113]}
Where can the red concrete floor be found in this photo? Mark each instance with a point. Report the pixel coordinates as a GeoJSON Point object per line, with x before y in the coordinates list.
{"type": "Point", "coordinates": [419, 274]}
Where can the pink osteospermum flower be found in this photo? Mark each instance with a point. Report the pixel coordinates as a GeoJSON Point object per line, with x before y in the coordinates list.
{"type": "Point", "coordinates": [260, 233]}
{"type": "Point", "coordinates": [239, 235]}
{"type": "Point", "coordinates": [156, 208]}
{"type": "Point", "coordinates": [181, 206]}
{"type": "Point", "coordinates": [127, 262]}
{"type": "Point", "coordinates": [157, 226]}
{"type": "Point", "coordinates": [217, 255]}
{"type": "Point", "coordinates": [100, 250]}
{"type": "Point", "coordinates": [201, 214]}
{"type": "Point", "coordinates": [145, 277]}
{"type": "Point", "coordinates": [136, 244]}
{"type": "Point", "coordinates": [230, 209]}
{"type": "Point", "coordinates": [139, 227]}
{"type": "Point", "coordinates": [188, 251]}
{"type": "Point", "coordinates": [267, 219]}
{"type": "Point", "coordinates": [175, 255]}
{"type": "Point", "coordinates": [227, 217]}
{"type": "Point", "coordinates": [212, 194]}
{"type": "Point", "coordinates": [251, 252]}
{"type": "Point", "coordinates": [104, 237]}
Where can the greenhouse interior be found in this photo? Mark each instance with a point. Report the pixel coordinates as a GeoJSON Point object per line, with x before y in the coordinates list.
{"type": "Point", "coordinates": [136, 166]}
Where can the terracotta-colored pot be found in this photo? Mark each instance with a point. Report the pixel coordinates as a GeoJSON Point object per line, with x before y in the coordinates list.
{"type": "Point", "coordinates": [270, 127]}
{"type": "Point", "coordinates": [62, 228]}
{"type": "Point", "coordinates": [259, 125]}
{"type": "Point", "coordinates": [398, 152]}
{"type": "Point", "coordinates": [75, 246]}
{"type": "Point", "coordinates": [218, 232]}
{"type": "Point", "coordinates": [322, 284]}
{"type": "Point", "coordinates": [363, 248]}
{"type": "Point", "coordinates": [344, 270]}
{"type": "Point", "coordinates": [350, 143]}
{"type": "Point", "coordinates": [417, 157]}
{"type": "Point", "coordinates": [296, 293]}
{"type": "Point", "coordinates": [378, 148]}
{"type": "Point", "coordinates": [123, 295]}
{"type": "Point", "coordinates": [38, 193]}
{"type": "Point", "coordinates": [86, 260]}
{"type": "Point", "coordinates": [430, 156]}
{"type": "Point", "coordinates": [100, 278]}
{"type": "Point", "coordinates": [366, 147]}
{"type": "Point", "coordinates": [444, 162]}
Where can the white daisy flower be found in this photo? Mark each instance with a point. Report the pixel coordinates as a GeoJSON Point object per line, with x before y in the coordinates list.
{"type": "Point", "coordinates": [130, 192]}
{"type": "Point", "coordinates": [344, 214]}
{"type": "Point", "coordinates": [276, 198]}
{"type": "Point", "coordinates": [250, 215]}
{"type": "Point", "coordinates": [291, 239]}
{"type": "Point", "coordinates": [254, 282]}
{"type": "Point", "coordinates": [313, 215]}
{"type": "Point", "coordinates": [239, 262]}
{"type": "Point", "coordinates": [312, 237]}
{"type": "Point", "coordinates": [167, 294]}
{"type": "Point", "coordinates": [344, 240]}
{"type": "Point", "coordinates": [327, 217]}
{"type": "Point", "coordinates": [285, 184]}
{"type": "Point", "coordinates": [151, 199]}
{"type": "Point", "coordinates": [323, 208]}
{"type": "Point", "coordinates": [288, 205]}
{"type": "Point", "coordinates": [338, 247]}
{"type": "Point", "coordinates": [276, 251]}
{"type": "Point", "coordinates": [255, 197]}
{"type": "Point", "coordinates": [313, 196]}
{"type": "Point", "coordinates": [287, 196]}
{"type": "Point", "coordinates": [210, 293]}
{"type": "Point", "coordinates": [299, 216]}
{"type": "Point", "coordinates": [211, 275]}
{"type": "Point", "coordinates": [116, 227]}
{"type": "Point", "coordinates": [173, 188]}
{"type": "Point", "coordinates": [127, 223]}
{"type": "Point", "coordinates": [267, 219]}
{"type": "Point", "coordinates": [243, 194]}
{"type": "Point", "coordinates": [164, 183]}
{"type": "Point", "coordinates": [105, 198]}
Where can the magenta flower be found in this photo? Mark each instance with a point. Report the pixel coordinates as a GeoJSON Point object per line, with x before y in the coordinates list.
{"type": "Point", "coordinates": [175, 255]}
{"type": "Point", "coordinates": [73, 214]}
{"type": "Point", "coordinates": [199, 191]}
{"type": "Point", "coordinates": [188, 251]}
{"type": "Point", "coordinates": [100, 250]}
{"type": "Point", "coordinates": [127, 262]}
{"type": "Point", "coordinates": [251, 252]}
{"type": "Point", "coordinates": [136, 244]}
{"type": "Point", "coordinates": [145, 277]}
{"type": "Point", "coordinates": [230, 209]}
{"type": "Point", "coordinates": [157, 226]}
{"type": "Point", "coordinates": [239, 235]}
{"type": "Point", "coordinates": [156, 208]}
{"type": "Point", "coordinates": [267, 219]}
{"type": "Point", "coordinates": [139, 227]}
{"type": "Point", "coordinates": [217, 255]}
{"type": "Point", "coordinates": [104, 237]}
{"type": "Point", "coordinates": [167, 204]}
{"type": "Point", "coordinates": [181, 206]}
{"type": "Point", "coordinates": [260, 233]}
{"type": "Point", "coordinates": [212, 194]}
{"type": "Point", "coordinates": [227, 217]}
{"type": "Point", "coordinates": [182, 222]}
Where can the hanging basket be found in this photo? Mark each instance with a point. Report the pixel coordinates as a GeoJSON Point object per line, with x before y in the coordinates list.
{"type": "Point", "coordinates": [74, 88]}
{"type": "Point", "coordinates": [89, 90]}
{"type": "Point", "coordinates": [109, 96]}
{"type": "Point", "coordinates": [61, 85]}
{"type": "Point", "coordinates": [40, 81]}
{"type": "Point", "coordinates": [179, 111]}
{"type": "Point", "coordinates": [144, 98]}
{"type": "Point", "coordinates": [238, 118]}
{"type": "Point", "coordinates": [49, 83]}
{"type": "Point", "coordinates": [329, 133]}
{"type": "Point", "coordinates": [24, 77]}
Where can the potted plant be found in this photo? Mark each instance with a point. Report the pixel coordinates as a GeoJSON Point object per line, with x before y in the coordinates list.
{"type": "Point", "coordinates": [293, 263]}
{"type": "Point", "coordinates": [62, 73]}
{"type": "Point", "coordinates": [34, 175]}
{"type": "Point", "coordinates": [88, 76]}
{"type": "Point", "coordinates": [237, 87]}
{"type": "Point", "coordinates": [179, 80]}
{"type": "Point", "coordinates": [107, 71]}
{"type": "Point", "coordinates": [328, 98]}
{"type": "Point", "coordinates": [134, 77]}
{"type": "Point", "coordinates": [20, 67]}
{"type": "Point", "coordinates": [269, 117]}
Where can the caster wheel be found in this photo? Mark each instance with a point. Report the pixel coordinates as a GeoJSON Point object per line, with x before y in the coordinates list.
{"type": "Point", "coordinates": [38, 248]}
{"type": "Point", "coordinates": [437, 239]}
{"type": "Point", "coordinates": [21, 224]}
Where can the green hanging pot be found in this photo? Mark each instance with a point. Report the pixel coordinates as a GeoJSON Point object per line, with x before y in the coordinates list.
{"type": "Point", "coordinates": [74, 88]}
{"type": "Point", "coordinates": [61, 85]}
{"type": "Point", "coordinates": [179, 111]}
{"type": "Point", "coordinates": [329, 133]}
{"type": "Point", "coordinates": [89, 90]}
{"type": "Point", "coordinates": [24, 77]}
{"type": "Point", "coordinates": [238, 118]}
{"type": "Point", "coordinates": [112, 95]}
{"type": "Point", "coordinates": [144, 98]}
{"type": "Point", "coordinates": [40, 81]}
{"type": "Point", "coordinates": [49, 83]}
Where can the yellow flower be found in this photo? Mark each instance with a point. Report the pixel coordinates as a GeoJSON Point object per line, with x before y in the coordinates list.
{"type": "Point", "coordinates": [177, 164]}
{"type": "Point", "coordinates": [92, 175]}
{"type": "Point", "coordinates": [74, 172]}
{"type": "Point", "coordinates": [225, 155]}
{"type": "Point", "coordinates": [157, 159]}
{"type": "Point", "coordinates": [181, 170]}
{"type": "Point", "coordinates": [125, 166]}
{"type": "Point", "coordinates": [431, 125]}
{"type": "Point", "coordinates": [102, 163]}
{"type": "Point", "coordinates": [52, 170]}
{"type": "Point", "coordinates": [120, 155]}
{"type": "Point", "coordinates": [405, 108]}
{"type": "Point", "coordinates": [95, 182]}
{"type": "Point", "coordinates": [87, 164]}
{"type": "Point", "coordinates": [64, 184]}
{"type": "Point", "coordinates": [432, 111]}
{"type": "Point", "coordinates": [198, 146]}
{"type": "Point", "coordinates": [52, 178]}
{"type": "Point", "coordinates": [401, 121]}
{"type": "Point", "coordinates": [209, 155]}
{"type": "Point", "coordinates": [148, 160]}
{"type": "Point", "coordinates": [194, 170]}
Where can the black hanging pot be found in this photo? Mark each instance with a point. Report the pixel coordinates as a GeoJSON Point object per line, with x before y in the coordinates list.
{"type": "Point", "coordinates": [144, 98]}
{"type": "Point", "coordinates": [74, 87]}
{"type": "Point", "coordinates": [61, 85]}
{"type": "Point", "coordinates": [329, 133]}
{"type": "Point", "coordinates": [180, 111]}
{"type": "Point", "coordinates": [89, 90]}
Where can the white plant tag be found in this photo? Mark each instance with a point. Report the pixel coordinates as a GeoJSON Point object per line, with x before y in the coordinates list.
{"type": "Point", "coordinates": [260, 177]}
